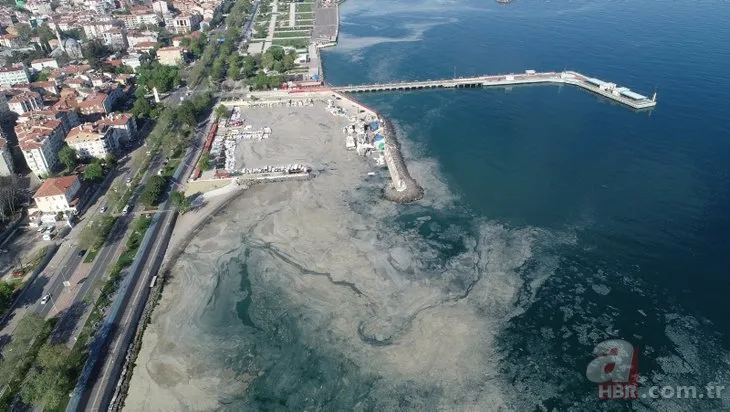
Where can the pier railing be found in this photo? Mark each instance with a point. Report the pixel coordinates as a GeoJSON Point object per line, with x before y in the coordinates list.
{"type": "Point", "coordinates": [608, 90]}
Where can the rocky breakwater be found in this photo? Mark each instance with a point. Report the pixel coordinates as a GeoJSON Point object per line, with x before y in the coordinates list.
{"type": "Point", "coordinates": [403, 188]}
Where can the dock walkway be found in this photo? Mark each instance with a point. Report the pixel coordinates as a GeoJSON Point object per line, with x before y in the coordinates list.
{"type": "Point", "coordinates": [609, 90]}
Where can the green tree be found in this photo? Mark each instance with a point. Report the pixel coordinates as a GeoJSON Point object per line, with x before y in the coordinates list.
{"type": "Point", "coordinates": [180, 202]}
{"type": "Point", "coordinates": [164, 78]}
{"type": "Point", "coordinates": [95, 52]}
{"type": "Point", "coordinates": [218, 71]}
{"type": "Point", "coordinates": [153, 191]}
{"type": "Point", "coordinates": [51, 379]}
{"type": "Point", "coordinates": [221, 111]}
{"type": "Point", "coordinates": [249, 66]}
{"type": "Point", "coordinates": [68, 157]}
{"type": "Point", "coordinates": [93, 171]}
{"type": "Point", "coordinates": [6, 296]}
{"type": "Point", "coordinates": [14, 353]}
{"type": "Point", "coordinates": [110, 159]}
{"type": "Point", "coordinates": [141, 107]}
{"type": "Point", "coordinates": [43, 75]}
{"type": "Point", "coordinates": [204, 162]}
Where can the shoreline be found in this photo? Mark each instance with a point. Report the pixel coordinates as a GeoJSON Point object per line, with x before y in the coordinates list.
{"type": "Point", "coordinates": [404, 188]}
{"type": "Point", "coordinates": [183, 233]}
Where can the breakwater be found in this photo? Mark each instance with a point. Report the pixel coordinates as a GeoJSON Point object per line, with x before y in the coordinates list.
{"type": "Point", "coordinates": [404, 188]}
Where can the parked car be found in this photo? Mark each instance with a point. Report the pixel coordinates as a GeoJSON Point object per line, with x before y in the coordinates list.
{"type": "Point", "coordinates": [45, 299]}
{"type": "Point", "coordinates": [82, 252]}
{"type": "Point", "coordinates": [103, 209]}
{"type": "Point", "coordinates": [125, 210]}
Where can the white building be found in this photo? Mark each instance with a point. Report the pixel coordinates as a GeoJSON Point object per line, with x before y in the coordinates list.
{"type": "Point", "coordinates": [40, 64]}
{"type": "Point", "coordinates": [25, 102]}
{"type": "Point", "coordinates": [14, 75]}
{"type": "Point", "coordinates": [160, 8]}
{"type": "Point", "coordinates": [40, 140]}
{"type": "Point", "coordinates": [132, 61]}
{"type": "Point", "coordinates": [92, 140]}
{"type": "Point", "coordinates": [123, 124]}
{"type": "Point", "coordinates": [6, 159]}
{"type": "Point", "coordinates": [115, 38]}
{"type": "Point", "coordinates": [58, 194]}
{"type": "Point", "coordinates": [183, 24]}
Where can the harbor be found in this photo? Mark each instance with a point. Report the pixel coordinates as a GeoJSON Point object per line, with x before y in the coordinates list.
{"type": "Point", "coordinates": [606, 89]}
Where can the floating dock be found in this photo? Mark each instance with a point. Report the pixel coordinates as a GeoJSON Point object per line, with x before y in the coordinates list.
{"type": "Point", "coordinates": [606, 89]}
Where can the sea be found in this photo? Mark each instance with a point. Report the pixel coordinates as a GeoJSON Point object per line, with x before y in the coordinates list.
{"type": "Point", "coordinates": [628, 212]}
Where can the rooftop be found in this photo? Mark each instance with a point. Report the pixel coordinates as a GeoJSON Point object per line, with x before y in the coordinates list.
{"type": "Point", "coordinates": [56, 186]}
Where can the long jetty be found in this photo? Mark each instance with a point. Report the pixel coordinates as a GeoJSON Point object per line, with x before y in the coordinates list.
{"type": "Point", "coordinates": [608, 90]}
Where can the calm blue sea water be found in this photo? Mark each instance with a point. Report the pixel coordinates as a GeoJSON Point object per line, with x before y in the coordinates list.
{"type": "Point", "coordinates": [646, 195]}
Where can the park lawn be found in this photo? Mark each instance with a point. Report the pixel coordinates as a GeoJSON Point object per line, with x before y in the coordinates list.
{"type": "Point", "coordinates": [296, 43]}
{"type": "Point", "coordinates": [304, 8]}
{"type": "Point", "coordinates": [283, 34]}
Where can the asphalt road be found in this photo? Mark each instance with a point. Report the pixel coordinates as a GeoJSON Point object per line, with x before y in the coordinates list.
{"type": "Point", "coordinates": [106, 373]}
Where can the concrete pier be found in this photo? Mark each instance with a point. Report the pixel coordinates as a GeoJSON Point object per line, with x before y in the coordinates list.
{"type": "Point", "coordinates": [608, 90]}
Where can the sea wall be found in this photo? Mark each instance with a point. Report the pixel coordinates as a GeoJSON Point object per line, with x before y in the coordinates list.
{"type": "Point", "coordinates": [403, 188]}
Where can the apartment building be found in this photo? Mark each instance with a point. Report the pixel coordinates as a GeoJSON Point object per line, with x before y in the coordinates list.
{"type": "Point", "coordinates": [40, 64]}
{"type": "Point", "coordinates": [25, 101]}
{"type": "Point", "coordinates": [184, 23]}
{"type": "Point", "coordinates": [170, 56]}
{"type": "Point", "coordinates": [17, 74]}
{"type": "Point", "coordinates": [115, 38]}
{"type": "Point", "coordinates": [40, 140]}
{"type": "Point", "coordinates": [58, 194]}
{"type": "Point", "coordinates": [92, 140]}
{"type": "Point", "coordinates": [123, 124]}
{"type": "Point", "coordinates": [139, 17]}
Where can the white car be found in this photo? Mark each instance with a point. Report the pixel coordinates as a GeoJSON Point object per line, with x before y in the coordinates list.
{"type": "Point", "coordinates": [103, 209]}
{"type": "Point", "coordinates": [125, 210]}
{"type": "Point", "coordinates": [45, 299]}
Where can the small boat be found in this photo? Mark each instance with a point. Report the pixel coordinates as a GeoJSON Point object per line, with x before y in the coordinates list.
{"type": "Point", "coordinates": [371, 173]}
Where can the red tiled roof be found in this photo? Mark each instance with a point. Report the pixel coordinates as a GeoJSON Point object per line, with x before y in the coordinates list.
{"type": "Point", "coordinates": [55, 186]}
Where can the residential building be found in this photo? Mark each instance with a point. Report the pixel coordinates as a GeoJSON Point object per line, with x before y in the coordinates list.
{"type": "Point", "coordinates": [170, 56]}
{"type": "Point", "coordinates": [160, 8]}
{"type": "Point", "coordinates": [6, 159]}
{"type": "Point", "coordinates": [58, 194]}
{"type": "Point", "coordinates": [25, 101]}
{"type": "Point", "coordinates": [40, 140]}
{"type": "Point", "coordinates": [69, 118]}
{"type": "Point", "coordinates": [96, 103]}
{"type": "Point", "coordinates": [40, 64]}
{"type": "Point", "coordinates": [115, 38]}
{"type": "Point", "coordinates": [124, 125]}
{"type": "Point", "coordinates": [45, 87]}
{"type": "Point", "coordinates": [92, 140]}
{"type": "Point", "coordinates": [96, 29]}
{"type": "Point", "coordinates": [10, 41]}
{"type": "Point", "coordinates": [139, 17]}
{"type": "Point", "coordinates": [146, 46]}
{"type": "Point", "coordinates": [132, 61]}
{"type": "Point", "coordinates": [17, 74]}
{"type": "Point", "coordinates": [39, 7]}
{"type": "Point", "coordinates": [184, 23]}
{"type": "Point", "coordinates": [135, 37]}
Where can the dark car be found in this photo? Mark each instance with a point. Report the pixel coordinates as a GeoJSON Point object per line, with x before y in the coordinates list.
{"type": "Point", "coordinates": [82, 252]}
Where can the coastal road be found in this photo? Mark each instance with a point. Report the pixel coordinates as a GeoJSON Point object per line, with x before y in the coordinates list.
{"type": "Point", "coordinates": [105, 374]}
